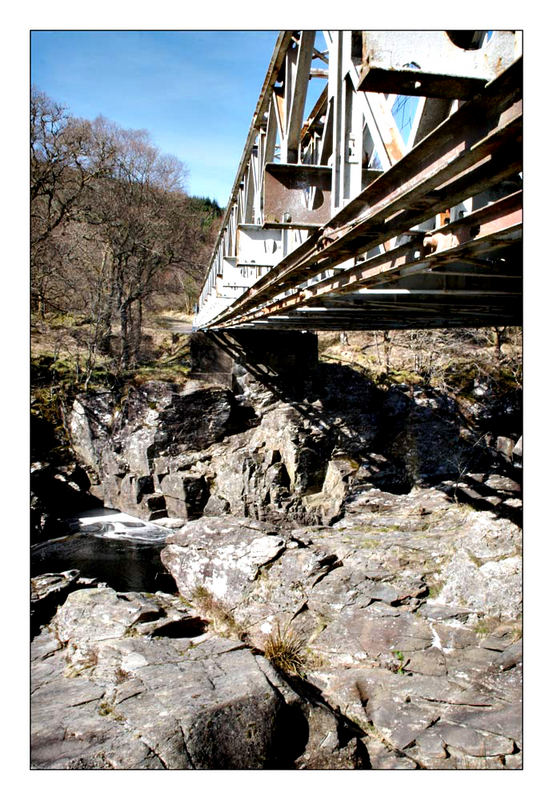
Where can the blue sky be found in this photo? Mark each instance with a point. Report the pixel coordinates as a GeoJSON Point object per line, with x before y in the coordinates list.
{"type": "Point", "coordinates": [194, 91]}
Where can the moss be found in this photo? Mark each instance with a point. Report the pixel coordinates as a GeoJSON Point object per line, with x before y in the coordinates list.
{"type": "Point", "coordinates": [105, 709]}
{"type": "Point", "coordinates": [486, 625]}
{"type": "Point", "coordinates": [475, 560]}
{"type": "Point", "coordinates": [369, 543]}
{"type": "Point", "coordinates": [314, 660]}
{"type": "Point", "coordinates": [175, 373]}
{"type": "Point", "coordinates": [394, 376]}
{"type": "Point", "coordinates": [434, 590]}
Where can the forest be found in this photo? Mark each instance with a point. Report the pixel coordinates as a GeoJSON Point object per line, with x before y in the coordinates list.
{"type": "Point", "coordinates": [114, 234]}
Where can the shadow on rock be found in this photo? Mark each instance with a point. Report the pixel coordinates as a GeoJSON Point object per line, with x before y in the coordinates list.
{"type": "Point", "coordinates": [397, 436]}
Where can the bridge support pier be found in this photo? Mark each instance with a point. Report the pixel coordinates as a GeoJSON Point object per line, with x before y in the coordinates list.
{"type": "Point", "coordinates": [283, 356]}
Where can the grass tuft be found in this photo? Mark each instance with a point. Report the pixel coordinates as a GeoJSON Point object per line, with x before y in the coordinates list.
{"type": "Point", "coordinates": [286, 651]}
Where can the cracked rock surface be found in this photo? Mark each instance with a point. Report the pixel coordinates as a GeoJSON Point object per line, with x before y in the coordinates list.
{"type": "Point", "coordinates": [407, 661]}
{"type": "Point", "coordinates": [126, 681]}
{"type": "Point", "coordinates": [423, 656]}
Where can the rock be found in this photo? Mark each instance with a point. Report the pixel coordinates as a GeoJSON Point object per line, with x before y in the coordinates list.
{"type": "Point", "coordinates": [112, 698]}
{"type": "Point", "coordinates": [502, 483]}
{"type": "Point", "coordinates": [308, 514]}
{"type": "Point", "coordinates": [435, 611]}
{"type": "Point", "coordinates": [501, 638]}
{"type": "Point", "coordinates": [472, 742]}
{"type": "Point", "coordinates": [265, 454]}
{"type": "Point", "coordinates": [216, 506]}
{"type": "Point", "coordinates": [330, 500]}
{"type": "Point", "coordinates": [56, 491]}
{"type": "Point", "coordinates": [511, 656]}
{"type": "Point", "coordinates": [505, 445]}
{"type": "Point", "coordinates": [357, 631]}
{"type": "Point", "coordinates": [429, 750]}
{"type": "Point", "coordinates": [121, 446]}
{"type": "Point", "coordinates": [170, 522]}
{"type": "Point", "coordinates": [350, 591]}
{"type": "Point", "coordinates": [185, 495]}
{"type": "Point", "coordinates": [90, 425]}
{"type": "Point", "coordinates": [431, 661]}
{"type": "Point", "coordinates": [379, 662]}
{"type": "Point", "coordinates": [243, 548]}
{"type": "Point", "coordinates": [505, 721]}
{"type": "Point", "coordinates": [48, 591]}
{"type": "Point", "coordinates": [493, 588]}
{"type": "Point", "coordinates": [384, 757]}
{"type": "Point", "coordinates": [402, 724]}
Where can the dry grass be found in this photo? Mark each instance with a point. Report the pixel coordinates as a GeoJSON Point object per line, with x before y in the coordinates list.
{"type": "Point", "coordinates": [66, 340]}
{"type": "Point", "coordinates": [446, 359]}
{"type": "Point", "coordinates": [220, 618]}
{"type": "Point", "coordinates": [286, 651]}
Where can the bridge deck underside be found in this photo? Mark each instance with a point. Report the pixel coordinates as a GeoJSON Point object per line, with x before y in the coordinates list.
{"type": "Point", "coordinates": [372, 267]}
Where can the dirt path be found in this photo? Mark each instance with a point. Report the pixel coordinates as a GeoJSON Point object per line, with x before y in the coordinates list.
{"type": "Point", "coordinates": [175, 325]}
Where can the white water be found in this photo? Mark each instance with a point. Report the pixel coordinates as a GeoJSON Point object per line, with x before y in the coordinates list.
{"type": "Point", "coordinates": [110, 524]}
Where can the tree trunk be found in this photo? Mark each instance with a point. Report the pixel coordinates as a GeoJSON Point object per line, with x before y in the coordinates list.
{"type": "Point", "coordinates": [125, 344]}
{"type": "Point", "coordinates": [499, 335]}
{"type": "Point", "coordinates": [136, 331]}
{"type": "Point", "coordinates": [387, 349]}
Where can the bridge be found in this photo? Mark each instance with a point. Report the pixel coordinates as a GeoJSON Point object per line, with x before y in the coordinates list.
{"type": "Point", "coordinates": [394, 202]}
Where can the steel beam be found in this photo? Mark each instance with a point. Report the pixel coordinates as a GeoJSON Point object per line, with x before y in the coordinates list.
{"type": "Point", "coordinates": [352, 204]}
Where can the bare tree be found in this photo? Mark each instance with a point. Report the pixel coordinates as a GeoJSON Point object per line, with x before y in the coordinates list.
{"type": "Point", "coordinates": [63, 162]}
{"type": "Point", "coordinates": [139, 212]}
{"type": "Point", "coordinates": [111, 225]}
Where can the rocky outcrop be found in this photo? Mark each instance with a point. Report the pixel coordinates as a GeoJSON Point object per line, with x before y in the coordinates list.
{"type": "Point", "coordinates": [48, 591]}
{"type": "Point", "coordinates": [331, 525]}
{"type": "Point", "coordinates": [408, 608]}
{"type": "Point", "coordinates": [57, 490]}
{"type": "Point", "coordinates": [125, 681]}
{"type": "Point", "coordinates": [394, 636]}
{"type": "Point", "coordinates": [279, 453]}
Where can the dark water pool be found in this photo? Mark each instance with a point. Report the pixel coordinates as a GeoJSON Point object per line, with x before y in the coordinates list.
{"type": "Point", "coordinates": [111, 547]}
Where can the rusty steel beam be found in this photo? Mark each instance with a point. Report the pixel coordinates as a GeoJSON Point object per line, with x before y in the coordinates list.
{"type": "Point", "coordinates": [447, 153]}
{"type": "Point", "coordinates": [296, 195]}
{"type": "Point", "coordinates": [352, 215]}
{"type": "Point", "coordinates": [489, 228]}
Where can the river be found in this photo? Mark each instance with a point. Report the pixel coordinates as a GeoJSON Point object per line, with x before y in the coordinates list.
{"type": "Point", "coordinates": [109, 546]}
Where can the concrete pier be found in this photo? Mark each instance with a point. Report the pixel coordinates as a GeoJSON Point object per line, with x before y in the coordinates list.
{"type": "Point", "coordinates": [284, 355]}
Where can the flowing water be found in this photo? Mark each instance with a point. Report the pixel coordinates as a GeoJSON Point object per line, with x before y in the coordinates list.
{"type": "Point", "coordinates": [110, 546]}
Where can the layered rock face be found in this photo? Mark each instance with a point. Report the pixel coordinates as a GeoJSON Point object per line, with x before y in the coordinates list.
{"type": "Point", "coordinates": [278, 453]}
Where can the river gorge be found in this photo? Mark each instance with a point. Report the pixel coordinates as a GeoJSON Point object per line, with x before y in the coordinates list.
{"type": "Point", "coordinates": [317, 573]}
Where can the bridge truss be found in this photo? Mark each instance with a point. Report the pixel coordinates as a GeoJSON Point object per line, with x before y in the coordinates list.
{"type": "Point", "coordinates": [396, 202]}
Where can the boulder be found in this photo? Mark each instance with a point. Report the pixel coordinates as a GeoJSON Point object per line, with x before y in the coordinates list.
{"type": "Point", "coordinates": [125, 681]}
{"type": "Point", "coordinates": [354, 597]}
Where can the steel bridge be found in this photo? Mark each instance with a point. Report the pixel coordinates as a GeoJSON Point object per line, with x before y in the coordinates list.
{"type": "Point", "coordinates": [395, 202]}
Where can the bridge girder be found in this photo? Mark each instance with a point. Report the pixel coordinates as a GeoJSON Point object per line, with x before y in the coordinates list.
{"type": "Point", "coordinates": [340, 221]}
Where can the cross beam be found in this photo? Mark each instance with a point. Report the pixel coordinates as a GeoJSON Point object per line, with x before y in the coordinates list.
{"type": "Point", "coordinates": [344, 221]}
